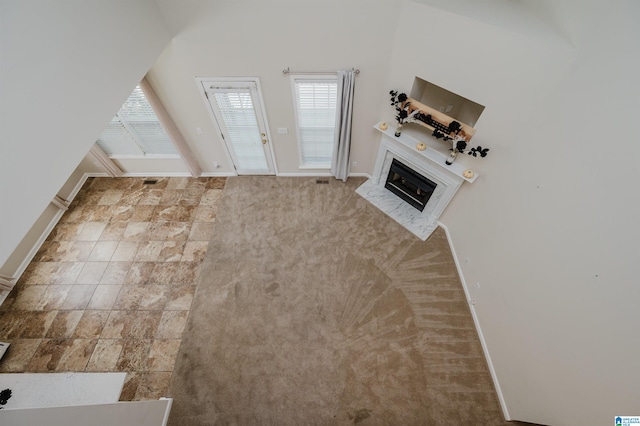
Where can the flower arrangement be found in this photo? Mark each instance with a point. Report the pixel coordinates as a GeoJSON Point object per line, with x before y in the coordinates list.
{"type": "Point", "coordinates": [451, 132]}
{"type": "Point", "coordinates": [400, 102]}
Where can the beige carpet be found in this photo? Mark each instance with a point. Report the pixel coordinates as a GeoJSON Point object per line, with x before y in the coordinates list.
{"type": "Point", "coordinates": [314, 308]}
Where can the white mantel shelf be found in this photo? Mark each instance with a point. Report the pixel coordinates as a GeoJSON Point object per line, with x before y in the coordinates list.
{"type": "Point", "coordinates": [429, 153]}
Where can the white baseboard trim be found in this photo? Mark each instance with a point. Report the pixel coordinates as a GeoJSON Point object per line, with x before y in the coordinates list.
{"type": "Point", "coordinates": [3, 296]}
{"type": "Point", "coordinates": [218, 174]}
{"type": "Point", "coordinates": [79, 185]}
{"type": "Point", "coordinates": [323, 174]}
{"type": "Point", "coordinates": [228, 174]}
{"type": "Point", "coordinates": [3, 348]}
{"type": "Point", "coordinates": [305, 174]}
{"type": "Point", "coordinates": [157, 174]}
{"type": "Point", "coordinates": [485, 349]}
{"type": "Point", "coordinates": [167, 411]}
{"type": "Point", "coordinates": [52, 223]}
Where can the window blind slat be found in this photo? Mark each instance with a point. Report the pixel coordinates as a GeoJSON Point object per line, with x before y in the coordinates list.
{"type": "Point", "coordinates": [315, 102]}
{"type": "Point", "coordinates": [243, 132]}
{"type": "Point", "coordinates": [136, 130]}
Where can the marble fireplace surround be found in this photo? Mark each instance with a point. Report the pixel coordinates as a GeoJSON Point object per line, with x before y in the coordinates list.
{"type": "Point", "coordinates": [429, 163]}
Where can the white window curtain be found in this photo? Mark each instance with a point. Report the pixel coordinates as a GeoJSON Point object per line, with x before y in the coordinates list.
{"type": "Point", "coordinates": [342, 137]}
{"type": "Point", "coordinates": [315, 107]}
{"type": "Point", "coordinates": [136, 131]}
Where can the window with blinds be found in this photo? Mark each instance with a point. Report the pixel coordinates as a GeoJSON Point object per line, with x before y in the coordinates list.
{"type": "Point", "coordinates": [315, 108]}
{"type": "Point", "coordinates": [136, 131]}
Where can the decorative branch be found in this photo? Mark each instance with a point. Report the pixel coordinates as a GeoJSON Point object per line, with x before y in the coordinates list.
{"type": "Point", "coordinates": [401, 104]}
{"type": "Point", "coordinates": [479, 151]}
{"type": "Point", "coordinates": [5, 395]}
{"type": "Point", "coordinates": [452, 132]}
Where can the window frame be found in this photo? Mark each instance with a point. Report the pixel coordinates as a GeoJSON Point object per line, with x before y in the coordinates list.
{"type": "Point", "coordinates": [125, 123]}
{"type": "Point", "coordinates": [295, 78]}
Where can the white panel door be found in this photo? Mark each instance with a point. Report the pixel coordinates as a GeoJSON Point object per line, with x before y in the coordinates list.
{"type": "Point", "coordinates": [237, 110]}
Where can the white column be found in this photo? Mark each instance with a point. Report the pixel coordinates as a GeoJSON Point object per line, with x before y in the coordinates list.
{"type": "Point", "coordinates": [109, 166]}
{"type": "Point", "coordinates": [171, 128]}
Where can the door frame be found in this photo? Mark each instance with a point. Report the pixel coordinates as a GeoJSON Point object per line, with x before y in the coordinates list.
{"type": "Point", "coordinates": [200, 82]}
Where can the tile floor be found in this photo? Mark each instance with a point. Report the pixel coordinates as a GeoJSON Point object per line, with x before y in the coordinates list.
{"type": "Point", "coordinates": [111, 287]}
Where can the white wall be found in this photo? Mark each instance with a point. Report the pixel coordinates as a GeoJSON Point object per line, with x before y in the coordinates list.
{"type": "Point", "coordinates": [549, 229]}
{"type": "Point", "coordinates": [260, 39]}
{"type": "Point", "coordinates": [61, 61]}
{"type": "Point", "coordinates": [134, 413]}
{"type": "Point", "coordinates": [19, 259]}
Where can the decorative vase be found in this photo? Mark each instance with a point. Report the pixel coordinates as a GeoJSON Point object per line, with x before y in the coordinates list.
{"type": "Point", "coordinates": [398, 130]}
{"type": "Point", "coordinates": [452, 157]}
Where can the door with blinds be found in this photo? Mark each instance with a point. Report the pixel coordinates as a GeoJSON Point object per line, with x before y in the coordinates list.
{"type": "Point", "coordinates": [236, 107]}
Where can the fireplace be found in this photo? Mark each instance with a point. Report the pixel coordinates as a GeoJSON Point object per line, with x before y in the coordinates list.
{"type": "Point", "coordinates": [409, 185]}
{"type": "Point", "coordinates": [412, 187]}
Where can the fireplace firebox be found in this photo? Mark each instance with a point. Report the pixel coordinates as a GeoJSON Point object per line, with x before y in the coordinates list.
{"type": "Point", "coordinates": [409, 185]}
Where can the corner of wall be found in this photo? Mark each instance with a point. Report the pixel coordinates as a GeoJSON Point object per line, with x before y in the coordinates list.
{"type": "Point", "coordinates": [476, 322]}
{"type": "Point", "coordinates": [40, 230]}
